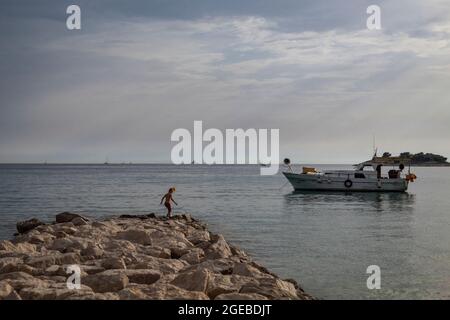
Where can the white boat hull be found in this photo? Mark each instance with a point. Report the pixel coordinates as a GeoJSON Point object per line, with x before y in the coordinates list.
{"type": "Point", "coordinates": [334, 183]}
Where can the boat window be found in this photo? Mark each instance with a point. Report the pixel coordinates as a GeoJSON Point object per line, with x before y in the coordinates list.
{"type": "Point", "coordinates": [359, 175]}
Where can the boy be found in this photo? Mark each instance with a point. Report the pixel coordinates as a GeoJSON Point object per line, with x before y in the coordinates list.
{"type": "Point", "coordinates": [168, 197]}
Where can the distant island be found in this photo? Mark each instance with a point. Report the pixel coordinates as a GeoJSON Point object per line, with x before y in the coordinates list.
{"type": "Point", "coordinates": [422, 159]}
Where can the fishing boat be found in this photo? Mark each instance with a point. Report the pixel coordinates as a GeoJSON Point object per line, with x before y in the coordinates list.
{"type": "Point", "coordinates": [366, 176]}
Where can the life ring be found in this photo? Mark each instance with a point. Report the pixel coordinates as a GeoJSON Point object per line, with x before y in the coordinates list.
{"type": "Point", "coordinates": [348, 183]}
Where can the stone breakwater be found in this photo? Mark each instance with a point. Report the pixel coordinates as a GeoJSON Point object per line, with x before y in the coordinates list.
{"type": "Point", "coordinates": [132, 257]}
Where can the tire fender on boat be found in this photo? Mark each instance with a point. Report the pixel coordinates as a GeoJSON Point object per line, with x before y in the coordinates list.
{"type": "Point", "coordinates": [348, 183]}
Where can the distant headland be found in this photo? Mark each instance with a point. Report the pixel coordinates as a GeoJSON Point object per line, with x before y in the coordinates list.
{"type": "Point", "coordinates": [422, 159]}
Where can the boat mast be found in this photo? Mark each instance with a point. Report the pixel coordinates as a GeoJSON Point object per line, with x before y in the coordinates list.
{"type": "Point", "coordinates": [374, 146]}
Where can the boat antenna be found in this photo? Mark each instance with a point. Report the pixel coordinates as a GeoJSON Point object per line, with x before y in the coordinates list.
{"type": "Point", "coordinates": [375, 149]}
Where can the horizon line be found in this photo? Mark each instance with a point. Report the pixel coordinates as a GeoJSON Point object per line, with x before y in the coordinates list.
{"type": "Point", "coordinates": [169, 163]}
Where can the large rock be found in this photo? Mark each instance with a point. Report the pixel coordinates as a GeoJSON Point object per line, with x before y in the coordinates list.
{"type": "Point", "coordinates": [220, 284]}
{"type": "Point", "coordinates": [156, 251]}
{"type": "Point", "coordinates": [92, 269]}
{"type": "Point", "coordinates": [18, 266]}
{"type": "Point", "coordinates": [57, 291]}
{"type": "Point", "coordinates": [199, 236]}
{"type": "Point", "coordinates": [240, 296]}
{"type": "Point", "coordinates": [132, 294]}
{"type": "Point", "coordinates": [20, 280]}
{"type": "Point", "coordinates": [186, 217]}
{"type": "Point", "coordinates": [64, 230]}
{"type": "Point", "coordinates": [193, 281]}
{"type": "Point", "coordinates": [165, 291]}
{"type": "Point", "coordinates": [28, 225]}
{"type": "Point", "coordinates": [92, 251]}
{"type": "Point", "coordinates": [121, 247]}
{"type": "Point", "coordinates": [143, 276]}
{"type": "Point", "coordinates": [10, 261]}
{"type": "Point", "coordinates": [8, 293]}
{"type": "Point", "coordinates": [170, 266]}
{"type": "Point", "coordinates": [272, 288]}
{"type": "Point", "coordinates": [68, 217]}
{"type": "Point", "coordinates": [178, 251]}
{"type": "Point", "coordinates": [245, 269]}
{"type": "Point", "coordinates": [194, 256]}
{"type": "Point", "coordinates": [165, 266]}
{"type": "Point", "coordinates": [5, 290]}
{"type": "Point", "coordinates": [170, 238]}
{"type": "Point", "coordinates": [16, 276]}
{"type": "Point", "coordinates": [59, 273]}
{"type": "Point", "coordinates": [141, 217]}
{"type": "Point", "coordinates": [135, 235]}
{"type": "Point", "coordinates": [44, 262]}
{"type": "Point", "coordinates": [219, 249]}
{"type": "Point", "coordinates": [96, 296]}
{"type": "Point", "coordinates": [222, 266]}
{"type": "Point", "coordinates": [6, 245]}
{"type": "Point", "coordinates": [113, 263]}
{"type": "Point", "coordinates": [79, 221]}
{"type": "Point", "coordinates": [68, 258]}
{"type": "Point", "coordinates": [106, 281]}
{"type": "Point", "coordinates": [63, 244]}
{"type": "Point", "coordinates": [25, 248]}
{"type": "Point", "coordinates": [42, 238]}
{"type": "Point", "coordinates": [54, 270]}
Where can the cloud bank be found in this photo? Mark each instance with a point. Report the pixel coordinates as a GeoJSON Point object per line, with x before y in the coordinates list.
{"type": "Point", "coordinates": [122, 84]}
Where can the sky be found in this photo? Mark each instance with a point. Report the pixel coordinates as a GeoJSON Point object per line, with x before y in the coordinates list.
{"type": "Point", "coordinates": [138, 70]}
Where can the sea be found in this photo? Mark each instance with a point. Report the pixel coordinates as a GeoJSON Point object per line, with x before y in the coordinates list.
{"type": "Point", "coordinates": [326, 241]}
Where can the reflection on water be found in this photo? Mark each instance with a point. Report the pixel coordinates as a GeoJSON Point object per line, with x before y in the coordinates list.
{"type": "Point", "coordinates": [378, 201]}
{"type": "Point", "coordinates": [335, 223]}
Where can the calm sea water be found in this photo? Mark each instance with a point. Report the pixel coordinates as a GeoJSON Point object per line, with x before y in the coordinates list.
{"type": "Point", "coordinates": [326, 241]}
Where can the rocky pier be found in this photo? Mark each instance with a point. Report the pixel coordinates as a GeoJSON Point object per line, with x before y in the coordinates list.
{"type": "Point", "coordinates": [132, 258]}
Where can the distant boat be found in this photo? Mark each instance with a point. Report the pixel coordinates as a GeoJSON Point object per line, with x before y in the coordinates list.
{"type": "Point", "coordinates": [354, 180]}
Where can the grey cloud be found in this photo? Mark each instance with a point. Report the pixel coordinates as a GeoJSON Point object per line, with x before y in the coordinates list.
{"type": "Point", "coordinates": [138, 70]}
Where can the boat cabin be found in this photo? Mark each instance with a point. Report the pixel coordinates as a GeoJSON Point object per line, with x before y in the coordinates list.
{"type": "Point", "coordinates": [397, 163]}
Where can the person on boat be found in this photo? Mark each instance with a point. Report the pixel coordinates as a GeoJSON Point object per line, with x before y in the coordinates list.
{"type": "Point", "coordinates": [379, 171]}
{"type": "Point", "coordinates": [167, 198]}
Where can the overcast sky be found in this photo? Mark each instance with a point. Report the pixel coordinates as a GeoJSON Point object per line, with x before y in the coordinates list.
{"type": "Point", "coordinates": [140, 69]}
